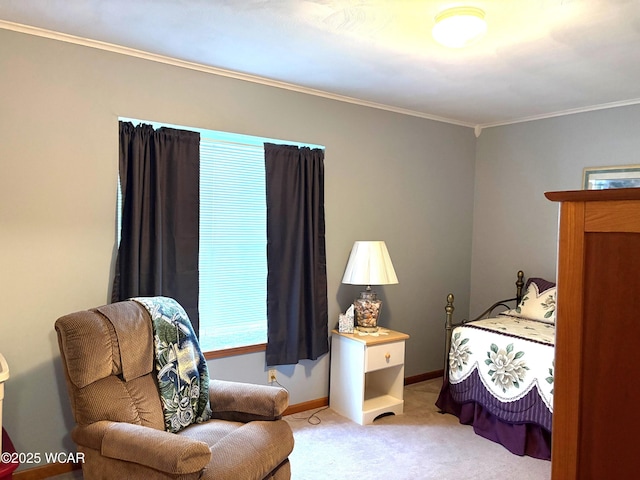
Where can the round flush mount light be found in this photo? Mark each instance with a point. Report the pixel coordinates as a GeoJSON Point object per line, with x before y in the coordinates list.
{"type": "Point", "coordinates": [459, 27]}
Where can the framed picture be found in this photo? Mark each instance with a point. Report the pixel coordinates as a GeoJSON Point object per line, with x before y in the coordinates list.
{"type": "Point", "coordinates": [600, 178]}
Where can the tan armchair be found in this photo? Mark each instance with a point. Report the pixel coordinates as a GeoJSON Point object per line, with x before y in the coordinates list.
{"type": "Point", "coordinates": [108, 358]}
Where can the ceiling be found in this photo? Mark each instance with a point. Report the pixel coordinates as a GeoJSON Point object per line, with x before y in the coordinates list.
{"type": "Point", "coordinates": [540, 58]}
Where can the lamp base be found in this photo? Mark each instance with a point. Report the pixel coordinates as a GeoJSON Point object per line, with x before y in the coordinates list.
{"type": "Point", "coordinates": [367, 310]}
{"type": "Point", "coordinates": [367, 329]}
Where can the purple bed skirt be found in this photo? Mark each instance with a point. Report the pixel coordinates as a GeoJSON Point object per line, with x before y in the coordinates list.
{"type": "Point", "coordinates": [520, 438]}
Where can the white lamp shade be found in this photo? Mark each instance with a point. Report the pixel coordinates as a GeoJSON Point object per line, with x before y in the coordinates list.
{"type": "Point", "coordinates": [369, 264]}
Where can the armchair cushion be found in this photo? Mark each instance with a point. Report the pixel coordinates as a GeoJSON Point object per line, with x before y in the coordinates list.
{"type": "Point", "coordinates": [86, 344]}
{"type": "Point", "coordinates": [112, 399]}
{"type": "Point", "coordinates": [252, 451]}
{"type": "Point", "coordinates": [244, 402]}
{"type": "Point", "coordinates": [133, 332]}
{"type": "Point", "coordinates": [157, 449]}
{"type": "Point", "coordinates": [146, 446]}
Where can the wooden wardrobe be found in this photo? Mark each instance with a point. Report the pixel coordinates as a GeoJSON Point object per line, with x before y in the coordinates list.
{"type": "Point", "coordinates": [596, 418]}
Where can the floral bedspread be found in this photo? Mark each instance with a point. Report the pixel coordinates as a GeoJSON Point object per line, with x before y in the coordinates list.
{"type": "Point", "coordinates": [512, 356]}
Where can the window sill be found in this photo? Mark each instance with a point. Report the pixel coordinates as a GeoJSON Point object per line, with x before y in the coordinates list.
{"type": "Point", "coordinates": [230, 352]}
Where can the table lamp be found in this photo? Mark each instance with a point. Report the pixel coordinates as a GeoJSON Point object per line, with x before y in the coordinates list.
{"type": "Point", "coordinates": [369, 264]}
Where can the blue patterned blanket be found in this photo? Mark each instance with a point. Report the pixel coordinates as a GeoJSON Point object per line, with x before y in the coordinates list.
{"type": "Point", "coordinates": [183, 376]}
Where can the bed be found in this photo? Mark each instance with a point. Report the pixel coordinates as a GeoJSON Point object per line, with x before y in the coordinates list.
{"type": "Point", "coordinates": [498, 374]}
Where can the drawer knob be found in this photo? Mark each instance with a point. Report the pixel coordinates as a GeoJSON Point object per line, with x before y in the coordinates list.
{"type": "Point", "coordinates": [387, 355]}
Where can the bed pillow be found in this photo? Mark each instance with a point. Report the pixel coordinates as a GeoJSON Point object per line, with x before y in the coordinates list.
{"type": "Point", "coordinates": [538, 302]}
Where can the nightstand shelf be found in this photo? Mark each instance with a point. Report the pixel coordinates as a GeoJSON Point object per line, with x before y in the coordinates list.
{"type": "Point", "coordinates": [367, 375]}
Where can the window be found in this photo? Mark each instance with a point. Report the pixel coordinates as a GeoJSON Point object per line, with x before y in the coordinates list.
{"type": "Point", "coordinates": [233, 243]}
{"type": "Point", "coordinates": [232, 256]}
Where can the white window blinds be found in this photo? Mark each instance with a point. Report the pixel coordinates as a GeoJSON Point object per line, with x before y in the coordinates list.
{"type": "Point", "coordinates": [233, 240]}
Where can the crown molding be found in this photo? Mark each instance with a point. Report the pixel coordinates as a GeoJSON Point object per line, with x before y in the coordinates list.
{"type": "Point", "coordinates": [132, 52]}
{"type": "Point", "coordinates": [562, 113]}
{"type": "Point", "coordinates": [110, 47]}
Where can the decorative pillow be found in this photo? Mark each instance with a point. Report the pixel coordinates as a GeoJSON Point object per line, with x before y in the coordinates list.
{"type": "Point", "coordinates": [538, 302]}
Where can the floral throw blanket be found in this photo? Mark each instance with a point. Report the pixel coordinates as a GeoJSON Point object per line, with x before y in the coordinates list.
{"type": "Point", "coordinates": [183, 377]}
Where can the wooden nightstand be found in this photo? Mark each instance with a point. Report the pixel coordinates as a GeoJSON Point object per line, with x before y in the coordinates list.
{"type": "Point", "coordinates": [367, 374]}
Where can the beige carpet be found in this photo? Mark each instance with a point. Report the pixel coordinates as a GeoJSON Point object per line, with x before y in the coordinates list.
{"type": "Point", "coordinates": [421, 444]}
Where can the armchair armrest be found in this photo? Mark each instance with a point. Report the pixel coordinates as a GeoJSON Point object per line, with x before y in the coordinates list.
{"type": "Point", "coordinates": [245, 402]}
{"type": "Point", "coordinates": [164, 451]}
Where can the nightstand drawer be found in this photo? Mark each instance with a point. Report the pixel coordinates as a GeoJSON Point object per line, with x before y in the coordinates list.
{"type": "Point", "coordinates": [383, 356]}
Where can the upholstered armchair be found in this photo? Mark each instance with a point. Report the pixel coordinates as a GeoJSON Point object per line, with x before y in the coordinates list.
{"type": "Point", "coordinates": [108, 358]}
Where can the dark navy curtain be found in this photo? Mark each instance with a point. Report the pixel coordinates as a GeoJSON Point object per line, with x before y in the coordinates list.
{"type": "Point", "coordinates": [297, 316]}
{"type": "Point", "coordinates": [158, 252]}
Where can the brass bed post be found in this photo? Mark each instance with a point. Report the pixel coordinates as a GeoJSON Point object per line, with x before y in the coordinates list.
{"type": "Point", "coordinates": [448, 330]}
{"type": "Point", "coordinates": [519, 285]}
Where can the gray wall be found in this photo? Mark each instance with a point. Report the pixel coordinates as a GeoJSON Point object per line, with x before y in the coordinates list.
{"type": "Point", "coordinates": [405, 180]}
{"type": "Point", "coordinates": [514, 225]}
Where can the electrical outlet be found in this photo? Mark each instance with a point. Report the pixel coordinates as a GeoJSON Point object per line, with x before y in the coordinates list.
{"type": "Point", "coordinates": [272, 375]}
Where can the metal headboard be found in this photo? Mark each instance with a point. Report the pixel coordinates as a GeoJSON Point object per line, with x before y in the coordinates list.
{"type": "Point", "coordinates": [449, 325]}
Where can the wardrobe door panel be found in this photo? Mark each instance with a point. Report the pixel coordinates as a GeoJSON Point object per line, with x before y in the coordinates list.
{"type": "Point", "coordinates": [609, 415]}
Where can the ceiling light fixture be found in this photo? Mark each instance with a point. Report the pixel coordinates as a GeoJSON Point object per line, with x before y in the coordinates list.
{"type": "Point", "coordinates": [459, 27]}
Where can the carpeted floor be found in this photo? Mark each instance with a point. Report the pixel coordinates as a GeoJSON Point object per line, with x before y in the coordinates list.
{"type": "Point", "coordinates": [421, 444]}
